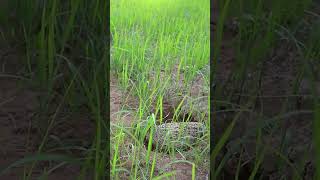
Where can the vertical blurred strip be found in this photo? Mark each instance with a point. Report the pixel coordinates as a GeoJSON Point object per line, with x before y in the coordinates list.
{"type": "Point", "coordinates": [212, 16]}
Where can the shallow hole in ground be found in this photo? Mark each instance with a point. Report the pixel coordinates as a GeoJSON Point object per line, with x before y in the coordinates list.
{"type": "Point", "coordinates": [168, 115]}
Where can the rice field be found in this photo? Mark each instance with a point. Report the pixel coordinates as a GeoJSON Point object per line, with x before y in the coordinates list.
{"type": "Point", "coordinates": [160, 65]}
{"type": "Point", "coordinates": [64, 69]}
{"type": "Point", "coordinates": [54, 89]}
{"type": "Point", "coordinates": [266, 104]}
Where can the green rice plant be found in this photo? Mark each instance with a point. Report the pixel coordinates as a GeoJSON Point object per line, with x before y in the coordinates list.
{"type": "Point", "coordinates": [115, 157]}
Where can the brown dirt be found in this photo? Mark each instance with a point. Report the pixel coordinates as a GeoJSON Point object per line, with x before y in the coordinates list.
{"type": "Point", "coordinates": [117, 100]}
